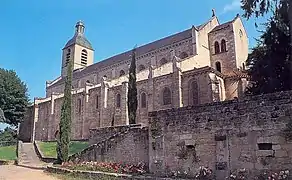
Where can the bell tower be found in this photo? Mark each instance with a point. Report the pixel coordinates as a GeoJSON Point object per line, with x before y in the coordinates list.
{"type": "Point", "coordinates": [78, 49]}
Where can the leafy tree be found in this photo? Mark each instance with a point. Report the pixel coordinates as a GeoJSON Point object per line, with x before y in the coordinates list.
{"type": "Point", "coordinates": [262, 7]}
{"type": "Point", "coordinates": [13, 97]}
{"type": "Point", "coordinates": [269, 60]}
{"type": "Point", "coordinates": [8, 134]}
{"type": "Point", "coordinates": [132, 90]}
{"type": "Point", "coordinates": [63, 139]}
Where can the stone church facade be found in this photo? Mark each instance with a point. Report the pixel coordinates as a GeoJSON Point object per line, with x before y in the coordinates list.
{"type": "Point", "coordinates": [202, 64]}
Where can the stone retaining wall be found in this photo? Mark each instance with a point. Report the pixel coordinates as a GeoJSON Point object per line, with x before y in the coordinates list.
{"type": "Point", "coordinates": [224, 136]}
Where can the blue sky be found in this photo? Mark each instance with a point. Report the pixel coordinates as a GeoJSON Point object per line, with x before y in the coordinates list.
{"type": "Point", "coordinates": [34, 32]}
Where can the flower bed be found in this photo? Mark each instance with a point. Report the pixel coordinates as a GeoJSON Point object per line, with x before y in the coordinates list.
{"type": "Point", "coordinates": [107, 167]}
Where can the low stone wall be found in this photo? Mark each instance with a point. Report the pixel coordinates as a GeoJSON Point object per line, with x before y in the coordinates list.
{"type": "Point", "coordinates": [223, 136]}
{"type": "Point", "coordinates": [128, 146]}
{"type": "Point", "coordinates": [99, 134]}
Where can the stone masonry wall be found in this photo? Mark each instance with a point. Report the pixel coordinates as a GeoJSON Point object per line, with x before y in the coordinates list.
{"type": "Point", "coordinates": [224, 136]}
{"type": "Point", "coordinates": [120, 144]}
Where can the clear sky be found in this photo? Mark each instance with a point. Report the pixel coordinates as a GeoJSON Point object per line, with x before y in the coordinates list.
{"type": "Point", "coordinates": [33, 32]}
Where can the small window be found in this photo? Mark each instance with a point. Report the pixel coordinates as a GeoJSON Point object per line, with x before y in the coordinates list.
{"type": "Point", "coordinates": [265, 146]}
{"type": "Point", "coordinates": [84, 57]}
{"type": "Point", "coordinates": [166, 96]}
{"type": "Point", "coordinates": [223, 45]}
{"type": "Point", "coordinates": [68, 56]}
{"type": "Point", "coordinates": [183, 55]}
{"type": "Point", "coordinates": [96, 102]}
{"type": "Point", "coordinates": [118, 100]}
{"type": "Point", "coordinates": [79, 104]}
{"type": "Point", "coordinates": [122, 73]}
{"type": "Point", "coordinates": [217, 47]}
{"type": "Point", "coordinates": [141, 67]}
{"type": "Point", "coordinates": [143, 100]}
{"type": "Point", "coordinates": [243, 66]}
{"type": "Point", "coordinates": [240, 33]}
{"type": "Point", "coordinates": [218, 66]}
{"type": "Point", "coordinates": [163, 61]}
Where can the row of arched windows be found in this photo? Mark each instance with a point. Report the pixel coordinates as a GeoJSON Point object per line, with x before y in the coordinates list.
{"type": "Point", "coordinates": [166, 97]}
{"type": "Point", "coordinates": [217, 46]}
{"type": "Point", "coordinates": [182, 55]}
{"type": "Point", "coordinates": [140, 68]}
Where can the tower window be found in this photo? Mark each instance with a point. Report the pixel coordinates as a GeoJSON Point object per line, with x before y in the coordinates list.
{"type": "Point", "coordinates": [122, 73]}
{"type": "Point", "coordinates": [218, 66]}
{"type": "Point", "coordinates": [223, 45]}
{"type": "Point", "coordinates": [118, 100]}
{"type": "Point", "coordinates": [163, 61]}
{"type": "Point", "coordinates": [68, 54]}
{"type": "Point", "coordinates": [217, 47]}
{"type": "Point", "coordinates": [84, 57]}
{"type": "Point", "coordinates": [166, 95]}
{"type": "Point", "coordinates": [143, 100]}
{"type": "Point", "coordinates": [183, 55]}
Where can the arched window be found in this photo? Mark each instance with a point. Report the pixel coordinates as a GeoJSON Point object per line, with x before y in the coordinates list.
{"type": "Point", "coordinates": [193, 93]}
{"type": "Point", "coordinates": [96, 102]}
{"type": "Point", "coordinates": [163, 61]}
{"type": "Point", "coordinates": [143, 100]}
{"type": "Point", "coordinates": [141, 67]}
{"type": "Point", "coordinates": [118, 100]}
{"type": "Point", "coordinates": [68, 56]}
{"type": "Point", "coordinates": [79, 104]}
{"type": "Point", "coordinates": [122, 73]}
{"type": "Point", "coordinates": [217, 47]}
{"type": "Point", "coordinates": [183, 55]}
{"type": "Point", "coordinates": [84, 57]}
{"type": "Point", "coordinates": [223, 45]}
{"type": "Point", "coordinates": [166, 95]}
{"type": "Point", "coordinates": [218, 66]}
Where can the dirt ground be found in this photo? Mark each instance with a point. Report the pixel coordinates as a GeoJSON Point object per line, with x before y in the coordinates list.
{"type": "Point", "coordinates": [12, 172]}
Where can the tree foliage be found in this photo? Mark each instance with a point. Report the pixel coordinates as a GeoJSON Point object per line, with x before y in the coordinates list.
{"type": "Point", "coordinates": [8, 135]}
{"type": "Point", "coordinates": [269, 60]}
{"type": "Point", "coordinates": [132, 90]}
{"type": "Point", "coordinates": [63, 139]}
{"type": "Point", "coordinates": [13, 97]}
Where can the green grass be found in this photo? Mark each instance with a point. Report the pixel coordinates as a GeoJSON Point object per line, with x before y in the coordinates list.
{"type": "Point", "coordinates": [8, 153]}
{"type": "Point", "coordinates": [79, 177]}
{"type": "Point", "coordinates": [49, 148]}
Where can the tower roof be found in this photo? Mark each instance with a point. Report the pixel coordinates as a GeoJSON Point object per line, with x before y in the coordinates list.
{"type": "Point", "coordinates": [79, 37]}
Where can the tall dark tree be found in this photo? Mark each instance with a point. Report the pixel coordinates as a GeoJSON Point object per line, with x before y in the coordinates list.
{"type": "Point", "coordinates": [132, 90]}
{"type": "Point", "coordinates": [13, 98]}
{"type": "Point", "coordinates": [63, 139]}
{"type": "Point", "coordinates": [269, 60]}
{"type": "Point", "coordinates": [262, 7]}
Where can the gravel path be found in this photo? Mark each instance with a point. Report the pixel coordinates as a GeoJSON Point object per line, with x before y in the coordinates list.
{"type": "Point", "coordinates": [12, 172]}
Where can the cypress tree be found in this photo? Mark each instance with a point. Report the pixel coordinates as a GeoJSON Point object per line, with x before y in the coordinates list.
{"type": "Point", "coordinates": [132, 90]}
{"type": "Point", "coordinates": [63, 139]}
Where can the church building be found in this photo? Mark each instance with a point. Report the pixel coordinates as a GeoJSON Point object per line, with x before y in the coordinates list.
{"type": "Point", "coordinates": [202, 64]}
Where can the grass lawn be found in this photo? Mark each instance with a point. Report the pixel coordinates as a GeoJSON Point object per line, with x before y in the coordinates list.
{"type": "Point", "coordinates": [8, 152]}
{"type": "Point", "coordinates": [49, 148]}
{"type": "Point", "coordinates": [80, 177]}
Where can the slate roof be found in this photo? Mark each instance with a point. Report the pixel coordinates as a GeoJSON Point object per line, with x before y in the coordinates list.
{"type": "Point", "coordinates": [126, 55]}
{"type": "Point", "coordinates": [79, 39]}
